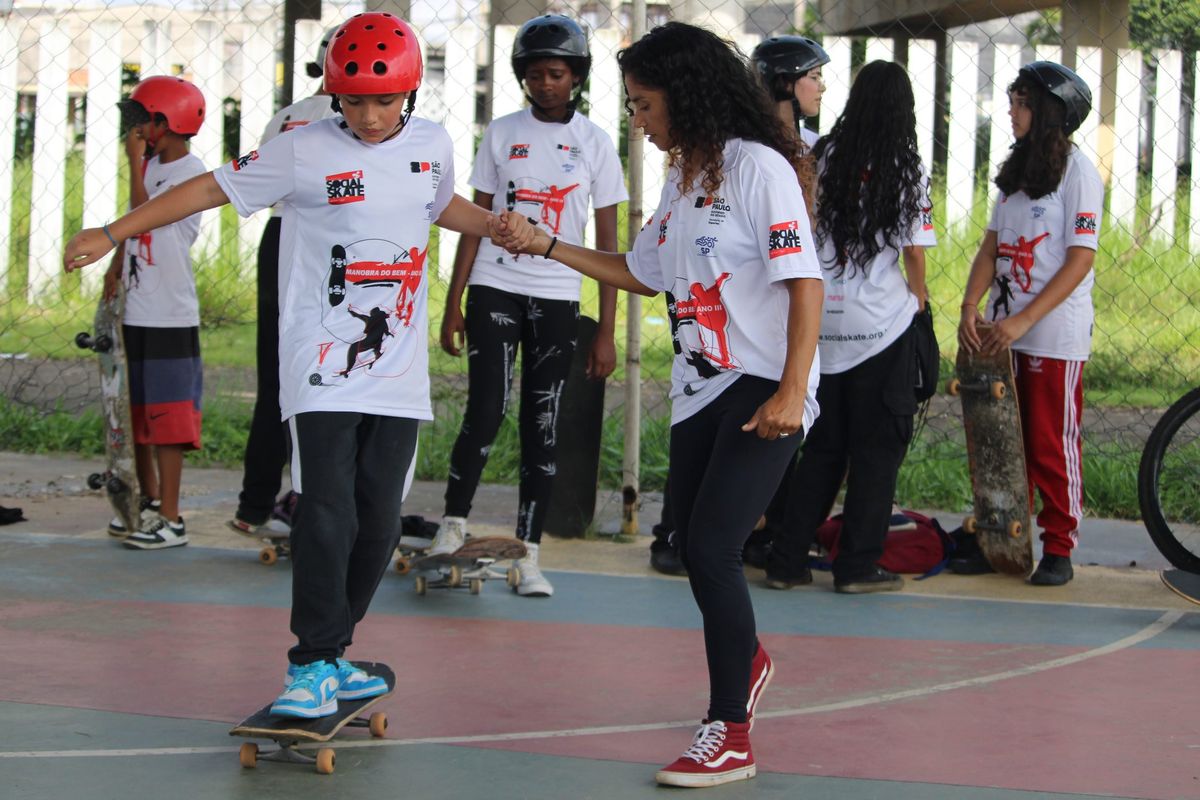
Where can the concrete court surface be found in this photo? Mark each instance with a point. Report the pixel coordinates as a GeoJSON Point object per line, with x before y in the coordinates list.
{"type": "Point", "coordinates": [123, 671]}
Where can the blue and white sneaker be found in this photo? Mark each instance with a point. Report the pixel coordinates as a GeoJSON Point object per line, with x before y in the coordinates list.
{"type": "Point", "coordinates": [354, 683]}
{"type": "Point", "coordinates": [311, 693]}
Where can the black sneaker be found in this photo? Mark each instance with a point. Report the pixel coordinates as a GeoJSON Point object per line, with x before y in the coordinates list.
{"type": "Point", "coordinates": [779, 580]}
{"type": "Point", "coordinates": [665, 559]}
{"type": "Point", "coordinates": [973, 563]}
{"type": "Point", "coordinates": [1053, 571]}
{"type": "Point", "coordinates": [877, 580]}
{"type": "Point", "coordinates": [758, 548]}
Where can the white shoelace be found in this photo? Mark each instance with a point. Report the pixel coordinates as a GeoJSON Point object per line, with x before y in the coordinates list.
{"type": "Point", "coordinates": [708, 741]}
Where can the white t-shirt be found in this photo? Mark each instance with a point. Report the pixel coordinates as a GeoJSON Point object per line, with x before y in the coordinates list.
{"type": "Point", "coordinates": [297, 115]}
{"type": "Point", "coordinates": [720, 259]}
{"type": "Point", "coordinates": [352, 281]}
{"type": "Point", "coordinates": [160, 288]}
{"type": "Point", "coordinates": [546, 171]}
{"type": "Point", "coordinates": [867, 311]}
{"type": "Point", "coordinates": [1032, 237]}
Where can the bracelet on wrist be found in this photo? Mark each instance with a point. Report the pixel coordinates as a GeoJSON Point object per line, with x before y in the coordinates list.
{"type": "Point", "coordinates": [550, 249]}
{"type": "Point", "coordinates": [107, 233]}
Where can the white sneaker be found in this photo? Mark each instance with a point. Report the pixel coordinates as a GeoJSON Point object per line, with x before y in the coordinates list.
{"type": "Point", "coordinates": [533, 582]}
{"type": "Point", "coordinates": [157, 533]}
{"type": "Point", "coordinates": [117, 526]}
{"type": "Point", "coordinates": [451, 535]}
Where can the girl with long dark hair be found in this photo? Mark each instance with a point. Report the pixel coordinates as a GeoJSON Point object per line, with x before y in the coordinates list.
{"type": "Point", "coordinates": [1036, 263]}
{"type": "Point", "coordinates": [729, 244]}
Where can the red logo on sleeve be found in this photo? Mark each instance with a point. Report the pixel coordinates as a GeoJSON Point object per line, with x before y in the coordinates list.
{"type": "Point", "coordinates": [1085, 224]}
{"type": "Point", "coordinates": [240, 163]}
{"type": "Point", "coordinates": [785, 239]}
{"type": "Point", "coordinates": [662, 229]}
{"type": "Point", "coordinates": [345, 187]}
{"type": "Point", "coordinates": [518, 151]}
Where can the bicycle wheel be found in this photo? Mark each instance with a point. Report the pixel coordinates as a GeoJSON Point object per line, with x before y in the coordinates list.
{"type": "Point", "coordinates": [1169, 483]}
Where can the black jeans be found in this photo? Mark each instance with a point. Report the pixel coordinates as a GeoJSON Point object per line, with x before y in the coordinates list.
{"type": "Point", "coordinates": [721, 480]}
{"type": "Point", "coordinates": [266, 445]}
{"type": "Point", "coordinates": [350, 476]}
{"type": "Point", "coordinates": [861, 436]}
{"type": "Point", "coordinates": [497, 324]}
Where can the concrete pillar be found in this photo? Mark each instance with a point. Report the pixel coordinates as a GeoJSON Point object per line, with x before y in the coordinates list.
{"type": "Point", "coordinates": [1103, 24]}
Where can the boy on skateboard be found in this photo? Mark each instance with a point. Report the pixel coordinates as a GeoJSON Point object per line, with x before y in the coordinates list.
{"type": "Point", "coordinates": [372, 181]}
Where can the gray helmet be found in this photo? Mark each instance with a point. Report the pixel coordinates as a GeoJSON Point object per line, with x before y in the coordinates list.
{"type": "Point", "coordinates": [315, 69]}
{"type": "Point", "coordinates": [787, 55]}
{"type": "Point", "coordinates": [1065, 85]}
{"type": "Point", "coordinates": [552, 36]}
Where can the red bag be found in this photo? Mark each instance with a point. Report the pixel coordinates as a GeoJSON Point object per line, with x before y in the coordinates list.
{"type": "Point", "coordinates": [922, 550]}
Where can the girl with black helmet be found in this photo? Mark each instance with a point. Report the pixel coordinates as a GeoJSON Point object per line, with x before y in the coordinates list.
{"type": "Point", "coordinates": [790, 68]}
{"type": "Point", "coordinates": [1036, 263]}
{"type": "Point", "coordinates": [547, 163]}
{"type": "Point", "coordinates": [873, 216]}
{"type": "Point", "coordinates": [729, 244]}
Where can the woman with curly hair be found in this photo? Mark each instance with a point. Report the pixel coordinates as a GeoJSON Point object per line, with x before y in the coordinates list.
{"type": "Point", "coordinates": [1036, 259]}
{"type": "Point", "coordinates": [729, 244]}
{"type": "Point", "coordinates": [874, 213]}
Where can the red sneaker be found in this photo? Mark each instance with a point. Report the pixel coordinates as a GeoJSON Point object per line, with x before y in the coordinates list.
{"type": "Point", "coordinates": [761, 671]}
{"type": "Point", "coordinates": [720, 753]}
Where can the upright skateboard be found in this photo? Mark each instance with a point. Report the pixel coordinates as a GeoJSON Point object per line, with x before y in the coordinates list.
{"type": "Point", "coordinates": [1183, 583]}
{"type": "Point", "coordinates": [581, 420]}
{"type": "Point", "coordinates": [108, 342]}
{"type": "Point", "coordinates": [472, 563]}
{"type": "Point", "coordinates": [996, 455]}
{"type": "Point", "coordinates": [291, 734]}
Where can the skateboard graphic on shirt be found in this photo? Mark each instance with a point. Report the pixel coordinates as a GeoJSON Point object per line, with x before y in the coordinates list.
{"type": "Point", "coordinates": [550, 199]}
{"type": "Point", "coordinates": [700, 324]}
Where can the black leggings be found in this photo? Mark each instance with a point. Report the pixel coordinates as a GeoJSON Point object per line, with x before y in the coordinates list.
{"type": "Point", "coordinates": [497, 323]}
{"type": "Point", "coordinates": [721, 481]}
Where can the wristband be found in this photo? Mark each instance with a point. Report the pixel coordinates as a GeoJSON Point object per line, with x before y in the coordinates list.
{"type": "Point", "coordinates": [549, 249]}
{"type": "Point", "coordinates": [970, 305]}
{"type": "Point", "coordinates": [104, 228]}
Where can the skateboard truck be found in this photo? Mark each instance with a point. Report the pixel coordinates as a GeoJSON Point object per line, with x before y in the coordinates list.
{"type": "Point", "coordinates": [107, 481]}
{"type": "Point", "coordinates": [100, 344]}
{"type": "Point", "coordinates": [996, 389]}
{"type": "Point", "coordinates": [1014, 528]}
{"type": "Point", "coordinates": [289, 751]}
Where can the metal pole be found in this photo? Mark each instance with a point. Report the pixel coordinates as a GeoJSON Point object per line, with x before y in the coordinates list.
{"type": "Point", "coordinates": [631, 465]}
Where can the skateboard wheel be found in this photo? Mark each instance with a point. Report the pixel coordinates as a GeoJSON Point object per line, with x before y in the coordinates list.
{"type": "Point", "coordinates": [403, 565]}
{"type": "Point", "coordinates": [248, 755]}
{"type": "Point", "coordinates": [102, 344]}
{"type": "Point", "coordinates": [420, 583]}
{"type": "Point", "coordinates": [476, 585]}
{"type": "Point", "coordinates": [970, 525]}
{"type": "Point", "coordinates": [95, 481]}
{"type": "Point", "coordinates": [952, 387]}
{"type": "Point", "coordinates": [378, 724]}
{"type": "Point", "coordinates": [1015, 529]}
{"type": "Point", "coordinates": [83, 340]}
{"type": "Point", "coordinates": [115, 485]}
{"type": "Point", "coordinates": [325, 761]}
{"type": "Point", "coordinates": [455, 577]}
{"type": "Point", "coordinates": [999, 389]}
{"type": "Point", "coordinates": [514, 577]}
{"type": "Point", "coordinates": [267, 556]}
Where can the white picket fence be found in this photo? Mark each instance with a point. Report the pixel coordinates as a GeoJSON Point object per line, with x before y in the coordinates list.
{"type": "Point", "coordinates": [449, 96]}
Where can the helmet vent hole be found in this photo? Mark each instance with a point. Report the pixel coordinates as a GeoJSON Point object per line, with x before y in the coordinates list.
{"type": "Point", "coordinates": [381, 46]}
{"type": "Point", "coordinates": [398, 32]}
{"type": "Point", "coordinates": [379, 68]}
{"type": "Point", "coordinates": [352, 48]}
{"type": "Point", "coordinates": [369, 27]}
{"type": "Point", "coordinates": [352, 68]}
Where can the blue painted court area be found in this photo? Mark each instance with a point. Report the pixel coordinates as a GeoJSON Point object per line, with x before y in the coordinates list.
{"type": "Point", "coordinates": [124, 672]}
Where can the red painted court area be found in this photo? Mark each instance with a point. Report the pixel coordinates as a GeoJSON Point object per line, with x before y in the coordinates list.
{"type": "Point", "coordinates": [1079, 701]}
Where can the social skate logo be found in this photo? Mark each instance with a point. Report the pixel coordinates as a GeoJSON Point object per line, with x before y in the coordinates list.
{"type": "Point", "coordinates": [662, 229]}
{"type": "Point", "coordinates": [785, 239]}
{"type": "Point", "coordinates": [1085, 224]}
{"type": "Point", "coordinates": [705, 246]}
{"type": "Point", "coordinates": [240, 163]}
{"type": "Point", "coordinates": [345, 187]}
{"type": "Point", "coordinates": [718, 209]}
{"type": "Point", "coordinates": [927, 218]}
{"type": "Point", "coordinates": [518, 151]}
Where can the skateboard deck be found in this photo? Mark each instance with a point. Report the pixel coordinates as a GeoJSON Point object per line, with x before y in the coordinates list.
{"type": "Point", "coordinates": [1183, 583]}
{"type": "Point", "coordinates": [107, 341]}
{"type": "Point", "coordinates": [469, 565]}
{"type": "Point", "coordinates": [996, 458]}
{"type": "Point", "coordinates": [289, 733]}
{"type": "Point", "coordinates": [577, 455]}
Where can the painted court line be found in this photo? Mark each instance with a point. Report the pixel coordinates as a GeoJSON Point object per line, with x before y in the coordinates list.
{"type": "Point", "coordinates": [1149, 632]}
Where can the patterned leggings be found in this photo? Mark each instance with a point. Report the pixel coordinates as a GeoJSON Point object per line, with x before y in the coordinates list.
{"type": "Point", "coordinates": [497, 324]}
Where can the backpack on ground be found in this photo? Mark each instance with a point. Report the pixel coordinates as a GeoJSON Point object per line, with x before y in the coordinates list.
{"type": "Point", "coordinates": [923, 549]}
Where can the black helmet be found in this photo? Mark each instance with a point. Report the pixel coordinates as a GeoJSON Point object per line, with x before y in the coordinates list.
{"type": "Point", "coordinates": [316, 69]}
{"type": "Point", "coordinates": [1064, 84]}
{"type": "Point", "coordinates": [787, 55]}
{"type": "Point", "coordinates": [552, 36]}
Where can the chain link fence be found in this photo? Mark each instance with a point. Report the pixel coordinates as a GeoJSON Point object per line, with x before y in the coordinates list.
{"type": "Point", "coordinates": [64, 66]}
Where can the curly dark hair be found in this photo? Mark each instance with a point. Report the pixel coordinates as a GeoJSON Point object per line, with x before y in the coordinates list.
{"type": "Point", "coordinates": [1038, 160]}
{"type": "Point", "coordinates": [712, 96]}
{"type": "Point", "coordinates": [871, 168]}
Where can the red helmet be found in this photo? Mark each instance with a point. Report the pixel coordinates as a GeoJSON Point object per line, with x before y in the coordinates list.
{"type": "Point", "coordinates": [373, 53]}
{"type": "Point", "coordinates": [176, 99]}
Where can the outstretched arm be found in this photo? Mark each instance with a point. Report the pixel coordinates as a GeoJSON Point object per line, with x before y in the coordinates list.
{"type": "Point", "coordinates": [609, 268]}
{"type": "Point", "coordinates": [602, 358]}
{"type": "Point", "coordinates": [190, 197]}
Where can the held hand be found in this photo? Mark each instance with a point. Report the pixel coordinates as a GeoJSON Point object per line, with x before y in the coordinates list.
{"type": "Point", "coordinates": [454, 330]}
{"type": "Point", "coordinates": [86, 247]}
{"type": "Point", "coordinates": [1003, 333]}
{"type": "Point", "coordinates": [968, 336]}
{"type": "Point", "coordinates": [602, 358]}
{"type": "Point", "coordinates": [781, 416]}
